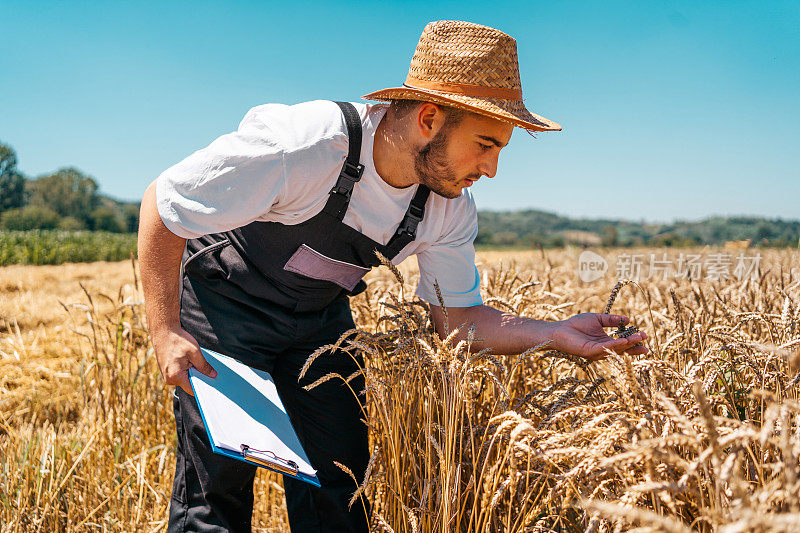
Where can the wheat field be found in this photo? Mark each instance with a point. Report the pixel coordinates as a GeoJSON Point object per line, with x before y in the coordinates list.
{"type": "Point", "coordinates": [701, 434]}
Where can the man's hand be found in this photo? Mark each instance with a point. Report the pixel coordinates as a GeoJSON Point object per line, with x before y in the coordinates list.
{"type": "Point", "coordinates": [584, 335]}
{"type": "Point", "coordinates": [505, 333]}
{"type": "Point", "coordinates": [176, 352]}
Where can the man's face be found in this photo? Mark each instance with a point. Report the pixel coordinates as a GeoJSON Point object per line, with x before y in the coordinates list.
{"type": "Point", "coordinates": [459, 154]}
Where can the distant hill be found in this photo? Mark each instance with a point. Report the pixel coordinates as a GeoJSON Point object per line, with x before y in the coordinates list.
{"type": "Point", "coordinates": [533, 227]}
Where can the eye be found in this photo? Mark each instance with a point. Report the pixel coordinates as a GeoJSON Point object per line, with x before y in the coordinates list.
{"type": "Point", "coordinates": [485, 146]}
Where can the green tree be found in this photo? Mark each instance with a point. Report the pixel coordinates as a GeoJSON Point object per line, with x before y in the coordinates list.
{"type": "Point", "coordinates": [29, 217]}
{"type": "Point", "coordinates": [763, 232]}
{"type": "Point", "coordinates": [610, 236]}
{"type": "Point", "coordinates": [12, 183]}
{"type": "Point", "coordinates": [105, 219]}
{"type": "Point", "coordinates": [130, 215]}
{"type": "Point", "coordinates": [669, 238]}
{"type": "Point", "coordinates": [68, 192]}
{"type": "Point", "coordinates": [70, 224]}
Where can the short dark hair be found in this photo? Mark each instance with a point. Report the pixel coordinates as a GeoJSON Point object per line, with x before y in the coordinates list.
{"type": "Point", "coordinates": [401, 108]}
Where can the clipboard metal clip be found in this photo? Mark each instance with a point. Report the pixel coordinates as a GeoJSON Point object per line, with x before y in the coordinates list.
{"type": "Point", "coordinates": [270, 460]}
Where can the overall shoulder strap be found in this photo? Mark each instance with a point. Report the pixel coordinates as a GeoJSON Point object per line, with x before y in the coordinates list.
{"type": "Point", "coordinates": [407, 230]}
{"type": "Point", "coordinates": [352, 170]}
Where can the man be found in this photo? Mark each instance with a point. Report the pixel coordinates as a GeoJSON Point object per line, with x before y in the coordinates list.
{"type": "Point", "coordinates": [270, 229]}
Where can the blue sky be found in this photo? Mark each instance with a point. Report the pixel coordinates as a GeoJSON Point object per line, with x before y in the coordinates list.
{"type": "Point", "coordinates": [670, 109]}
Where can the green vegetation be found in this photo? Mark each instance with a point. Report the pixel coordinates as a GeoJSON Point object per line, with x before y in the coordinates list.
{"type": "Point", "coordinates": [53, 247]}
{"type": "Point", "coordinates": [66, 199]}
{"type": "Point", "coordinates": [12, 182]}
{"type": "Point", "coordinates": [62, 217]}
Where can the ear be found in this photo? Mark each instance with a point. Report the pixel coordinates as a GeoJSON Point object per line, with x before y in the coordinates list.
{"type": "Point", "coordinates": [430, 118]}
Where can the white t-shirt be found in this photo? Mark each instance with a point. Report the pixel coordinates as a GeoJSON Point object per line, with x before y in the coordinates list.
{"type": "Point", "coordinates": [280, 165]}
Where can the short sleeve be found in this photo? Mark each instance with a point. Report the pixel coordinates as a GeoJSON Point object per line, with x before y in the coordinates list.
{"type": "Point", "coordinates": [228, 184]}
{"type": "Point", "coordinates": [450, 262]}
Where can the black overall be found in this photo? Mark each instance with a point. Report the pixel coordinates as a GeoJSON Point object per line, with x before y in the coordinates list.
{"type": "Point", "coordinates": [269, 294]}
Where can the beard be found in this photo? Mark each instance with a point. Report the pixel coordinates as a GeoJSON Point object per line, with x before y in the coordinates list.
{"type": "Point", "coordinates": [433, 168]}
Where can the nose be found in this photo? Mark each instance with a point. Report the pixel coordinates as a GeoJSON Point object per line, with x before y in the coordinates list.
{"type": "Point", "coordinates": [488, 166]}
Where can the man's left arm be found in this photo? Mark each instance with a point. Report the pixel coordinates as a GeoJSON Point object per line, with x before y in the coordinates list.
{"type": "Point", "coordinates": [506, 333]}
{"type": "Point", "coordinates": [450, 263]}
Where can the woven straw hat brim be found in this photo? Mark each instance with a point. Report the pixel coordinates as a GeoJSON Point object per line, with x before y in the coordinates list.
{"type": "Point", "coordinates": [513, 112]}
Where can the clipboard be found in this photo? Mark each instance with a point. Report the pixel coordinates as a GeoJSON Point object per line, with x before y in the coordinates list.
{"type": "Point", "coordinates": [246, 420]}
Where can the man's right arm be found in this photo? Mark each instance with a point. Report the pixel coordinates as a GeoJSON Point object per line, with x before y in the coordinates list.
{"type": "Point", "coordinates": [160, 253]}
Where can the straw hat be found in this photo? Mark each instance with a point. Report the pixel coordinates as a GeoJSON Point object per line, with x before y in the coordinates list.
{"type": "Point", "coordinates": [471, 67]}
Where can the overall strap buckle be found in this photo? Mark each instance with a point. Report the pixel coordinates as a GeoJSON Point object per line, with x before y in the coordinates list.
{"type": "Point", "coordinates": [352, 170]}
{"type": "Point", "coordinates": [408, 226]}
{"type": "Point", "coordinates": [407, 230]}
{"type": "Point", "coordinates": [348, 177]}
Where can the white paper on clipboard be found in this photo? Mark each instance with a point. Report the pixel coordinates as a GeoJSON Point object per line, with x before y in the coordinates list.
{"type": "Point", "coordinates": [241, 406]}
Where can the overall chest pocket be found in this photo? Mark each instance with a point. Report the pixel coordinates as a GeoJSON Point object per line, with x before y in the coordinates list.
{"type": "Point", "coordinates": [312, 264]}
